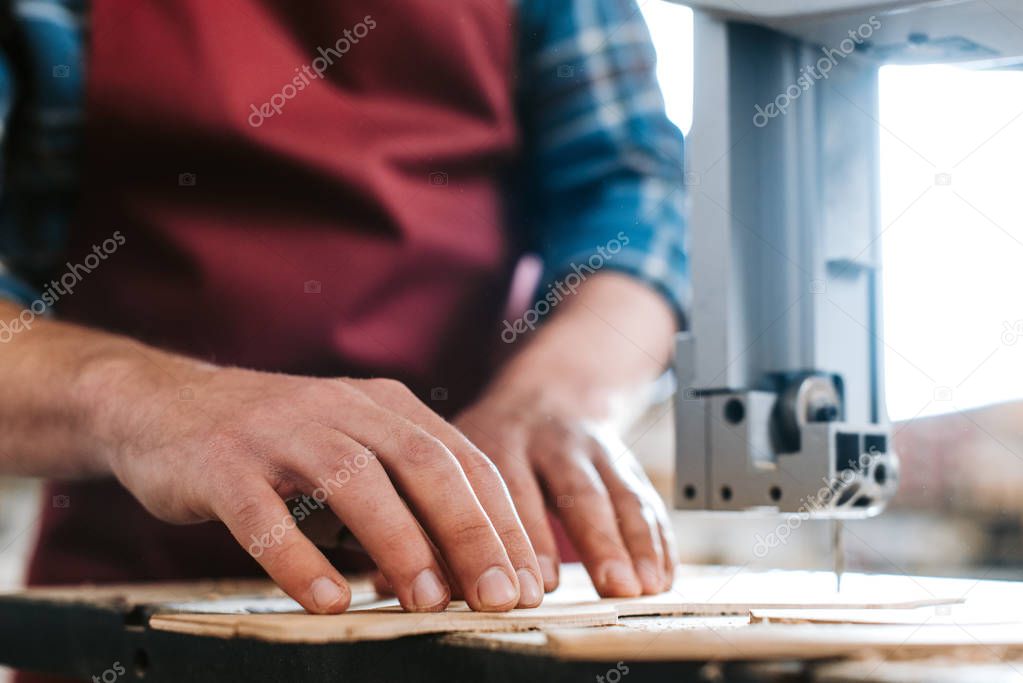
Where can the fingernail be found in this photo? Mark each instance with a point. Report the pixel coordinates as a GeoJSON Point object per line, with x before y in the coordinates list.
{"type": "Point", "coordinates": [428, 591]}
{"type": "Point", "coordinates": [548, 570]}
{"type": "Point", "coordinates": [649, 575]}
{"type": "Point", "coordinates": [326, 594]}
{"type": "Point", "coordinates": [530, 594]}
{"type": "Point", "coordinates": [495, 589]}
{"type": "Point", "coordinates": [617, 577]}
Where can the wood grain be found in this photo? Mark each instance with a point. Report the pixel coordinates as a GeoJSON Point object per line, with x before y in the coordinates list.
{"type": "Point", "coordinates": [379, 624]}
{"type": "Point", "coordinates": [783, 641]}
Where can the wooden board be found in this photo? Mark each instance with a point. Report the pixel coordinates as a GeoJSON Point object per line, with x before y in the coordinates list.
{"type": "Point", "coordinates": [949, 615]}
{"type": "Point", "coordinates": [659, 640]}
{"type": "Point", "coordinates": [79, 630]}
{"type": "Point", "coordinates": [574, 604]}
{"type": "Point", "coordinates": [379, 624]}
{"type": "Point", "coordinates": [715, 591]}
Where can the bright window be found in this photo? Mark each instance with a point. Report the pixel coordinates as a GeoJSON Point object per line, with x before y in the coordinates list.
{"type": "Point", "coordinates": [952, 215]}
{"type": "Point", "coordinates": [671, 28]}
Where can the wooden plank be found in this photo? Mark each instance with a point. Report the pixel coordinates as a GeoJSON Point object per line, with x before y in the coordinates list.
{"type": "Point", "coordinates": [716, 591]}
{"type": "Point", "coordinates": [259, 610]}
{"type": "Point", "coordinates": [378, 624]}
{"type": "Point", "coordinates": [942, 614]}
{"type": "Point", "coordinates": [666, 641]}
{"type": "Point", "coordinates": [575, 603]}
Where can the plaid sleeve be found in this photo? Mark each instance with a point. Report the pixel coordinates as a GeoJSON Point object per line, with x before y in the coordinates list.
{"type": "Point", "coordinates": [11, 287]}
{"type": "Point", "coordinates": [604, 164]}
{"type": "Point", "coordinates": [41, 101]}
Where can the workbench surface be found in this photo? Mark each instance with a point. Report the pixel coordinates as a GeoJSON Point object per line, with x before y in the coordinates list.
{"type": "Point", "coordinates": [933, 630]}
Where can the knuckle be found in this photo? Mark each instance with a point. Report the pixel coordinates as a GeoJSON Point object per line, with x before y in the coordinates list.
{"type": "Point", "coordinates": [355, 459]}
{"type": "Point", "coordinates": [335, 449]}
{"type": "Point", "coordinates": [469, 533]}
{"type": "Point", "coordinates": [634, 502]}
{"type": "Point", "coordinates": [423, 451]}
{"type": "Point", "coordinates": [578, 482]}
{"type": "Point", "coordinates": [402, 544]}
{"type": "Point", "coordinates": [477, 466]}
{"type": "Point", "coordinates": [247, 510]}
{"type": "Point", "coordinates": [282, 562]}
{"type": "Point", "coordinates": [308, 393]}
{"type": "Point", "coordinates": [393, 388]}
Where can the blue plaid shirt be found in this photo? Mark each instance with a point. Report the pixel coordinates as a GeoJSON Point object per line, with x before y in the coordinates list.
{"type": "Point", "coordinates": [602, 165]}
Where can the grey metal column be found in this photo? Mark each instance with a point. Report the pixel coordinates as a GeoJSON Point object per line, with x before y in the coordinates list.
{"type": "Point", "coordinates": [785, 221]}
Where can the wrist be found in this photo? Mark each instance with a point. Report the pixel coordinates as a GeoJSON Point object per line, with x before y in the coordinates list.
{"type": "Point", "coordinates": [550, 383]}
{"type": "Point", "coordinates": [122, 388]}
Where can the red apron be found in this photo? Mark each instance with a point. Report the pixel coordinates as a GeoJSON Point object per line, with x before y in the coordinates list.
{"type": "Point", "coordinates": [307, 187]}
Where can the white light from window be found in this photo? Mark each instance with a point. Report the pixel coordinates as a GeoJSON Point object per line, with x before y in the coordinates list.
{"type": "Point", "coordinates": [671, 28]}
{"type": "Point", "coordinates": [952, 215]}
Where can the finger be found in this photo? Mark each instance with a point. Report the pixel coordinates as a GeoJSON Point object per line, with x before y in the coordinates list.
{"type": "Point", "coordinates": [259, 520]}
{"type": "Point", "coordinates": [526, 495]}
{"type": "Point", "coordinates": [532, 510]}
{"type": "Point", "coordinates": [585, 508]}
{"type": "Point", "coordinates": [346, 476]}
{"type": "Point", "coordinates": [636, 520]}
{"type": "Point", "coordinates": [652, 497]}
{"type": "Point", "coordinates": [670, 557]}
{"type": "Point", "coordinates": [430, 478]}
{"type": "Point", "coordinates": [484, 478]}
{"type": "Point", "coordinates": [382, 585]}
{"type": "Point", "coordinates": [384, 589]}
{"type": "Point", "coordinates": [667, 531]}
{"type": "Point", "coordinates": [319, 524]}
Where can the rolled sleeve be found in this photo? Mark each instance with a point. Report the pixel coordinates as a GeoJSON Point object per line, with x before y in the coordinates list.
{"type": "Point", "coordinates": [12, 287]}
{"type": "Point", "coordinates": [605, 165]}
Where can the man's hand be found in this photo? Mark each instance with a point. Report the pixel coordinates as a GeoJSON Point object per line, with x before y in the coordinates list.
{"type": "Point", "coordinates": [420, 498]}
{"type": "Point", "coordinates": [428, 506]}
{"type": "Point", "coordinates": [550, 456]}
{"type": "Point", "coordinates": [545, 422]}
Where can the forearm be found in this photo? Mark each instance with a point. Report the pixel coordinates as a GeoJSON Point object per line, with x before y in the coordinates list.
{"type": "Point", "coordinates": [608, 340]}
{"type": "Point", "coordinates": [58, 384]}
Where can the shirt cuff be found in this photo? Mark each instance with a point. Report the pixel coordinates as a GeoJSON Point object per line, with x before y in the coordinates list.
{"type": "Point", "coordinates": [16, 290]}
{"type": "Point", "coordinates": [663, 269]}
